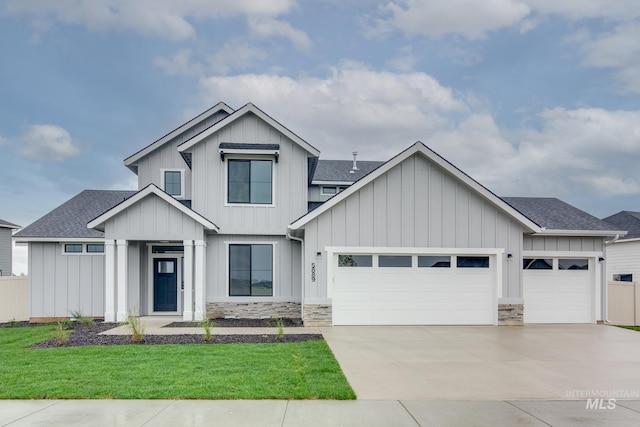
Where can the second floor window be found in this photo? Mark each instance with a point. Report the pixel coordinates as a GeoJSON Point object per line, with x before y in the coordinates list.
{"type": "Point", "coordinates": [250, 181]}
{"type": "Point", "coordinates": [172, 181]}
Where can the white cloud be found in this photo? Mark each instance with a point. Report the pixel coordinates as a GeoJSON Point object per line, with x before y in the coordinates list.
{"type": "Point", "coordinates": [269, 27]}
{"type": "Point", "coordinates": [158, 18]}
{"type": "Point", "coordinates": [47, 142]}
{"type": "Point", "coordinates": [3, 140]}
{"type": "Point", "coordinates": [353, 108]}
{"type": "Point", "coordinates": [470, 18]}
{"type": "Point", "coordinates": [235, 55]}
{"type": "Point", "coordinates": [405, 60]}
{"type": "Point", "coordinates": [179, 64]}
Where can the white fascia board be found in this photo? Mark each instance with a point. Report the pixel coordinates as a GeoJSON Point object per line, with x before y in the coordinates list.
{"type": "Point", "coordinates": [12, 227]}
{"type": "Point", "coordinates": [24, 240]}
{"type": "Point", "coordinates": [151, 189]}
{"type": "Point", "coordinates": [418, 147]}
{"type": "Point", "coordinates": [412, 251]}
{"type": "Point", "coordinates": [160, 142]}
{"type": "Point", "coordinates": [579, 233]}
{"type": "Point", "coordinates": [249, 108]}
{"type": "Point", "coordinates": [332, 183]}
{"type": "Point", "coordinates": [636, 239]}
{"type": "Point", "coordinates": [226, 151]}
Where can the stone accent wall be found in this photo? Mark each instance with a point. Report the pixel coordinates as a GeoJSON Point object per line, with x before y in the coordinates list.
{"type": "Point", "coordinates": [317, 315]}
{"type": "Point", "coordinates": [510, 314]}
{"type": "Point", "coordinates": [254, 310]}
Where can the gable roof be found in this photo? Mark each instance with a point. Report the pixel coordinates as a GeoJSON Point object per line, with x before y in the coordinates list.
{"type": "Point", "coordinates": [7, 224]}
{"type": "Point", "coordinates": [421, 149]}
{"type": "Point", "coordinates": [558, 217]}
{"type": "Point", "coordinates": [219, 107]}
{"type": "Point", "coordinates": [340, 170]}
{"type": "Point", "coordinates": [626, 220]}
{"type": "Point", "coordinates": [248, 108]}
{"type": "Point", "coordinates": [69, 220]}
{"type": "Point", "coordinates": [98, 222]}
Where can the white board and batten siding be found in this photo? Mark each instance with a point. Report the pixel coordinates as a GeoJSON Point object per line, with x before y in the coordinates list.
{"type": "Point", "coordinates": [210, 180]}
{"type": "Point", "coordinates": [623, 257]}
{"type": "Point", "coordinates": [60, 283]}
{"type": "Point", "coordinates": [416, 204]}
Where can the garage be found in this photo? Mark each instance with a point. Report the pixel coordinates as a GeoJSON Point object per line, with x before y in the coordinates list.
{"type": "Point", "coordinates": [414, 289]}
{"type": "Point", "coordinates": [558, 290]}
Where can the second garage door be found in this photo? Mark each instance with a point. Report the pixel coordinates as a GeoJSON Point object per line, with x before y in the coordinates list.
{"type": "Point", "coordinates": [378, 289]}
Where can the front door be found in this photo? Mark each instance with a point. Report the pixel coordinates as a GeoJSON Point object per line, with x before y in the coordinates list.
{"type": "Point", "coordinates": [165, 284]}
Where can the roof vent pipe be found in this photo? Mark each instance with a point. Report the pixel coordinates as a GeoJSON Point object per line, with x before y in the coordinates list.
{"type": "Point", "coordinates": [355, 163]}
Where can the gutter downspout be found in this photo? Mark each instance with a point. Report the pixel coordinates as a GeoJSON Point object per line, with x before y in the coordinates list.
{"type": "Point", "coordinates": [605, 299]}
{"type": "Point", "coordinates": [302, 273]}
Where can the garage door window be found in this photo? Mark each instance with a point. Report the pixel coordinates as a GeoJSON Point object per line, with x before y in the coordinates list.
{"type": "Point", "coordinates": [573, 264]}
{"type": "Point", "coordinates": [473, 262]}
{"type": "Point", "coordinates": [394, 261]}
{"type": "Point", "coordinates": [355, 261]}
{"type": "Point", "coordinates": [434, 261]}
{"type": "Point", "coordinates": [537, 264]}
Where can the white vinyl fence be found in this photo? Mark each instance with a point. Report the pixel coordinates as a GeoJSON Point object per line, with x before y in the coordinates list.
{"type": "Point", "coordinates": [14, 304]}
{"type": "Point", "coordinates": [624, 303]}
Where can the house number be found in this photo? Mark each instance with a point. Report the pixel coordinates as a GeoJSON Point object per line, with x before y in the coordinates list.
{"type": "Point", "coordinates": [313, 271]}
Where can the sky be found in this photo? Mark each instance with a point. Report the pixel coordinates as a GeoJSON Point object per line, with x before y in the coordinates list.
{"type": "Point", "coordinates": [532, 98]}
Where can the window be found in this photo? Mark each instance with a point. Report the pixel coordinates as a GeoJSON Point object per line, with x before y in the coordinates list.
{"type": "Point", "coordinates": [172, 182]}
{"type": "Point", "coordinates": [573, 264]}
{"type": "Point", "coordinates": [95, 248]}
{"type": "Point", "coordinates": [473, 262]}
{"type": "Point", "coordinates": [537, 264]}
{"type": "Point", "coordinates": [329, 190]}
{"type": "Point", "coordinates": [251, 270]}
{"type": "Point", "coordinates": [167, 249]}
{"type": "Point", "coordinates": [355, 261]}
{"type": "Point", "coordinates": [166, 267]}
{"type": "Point", "coordinates": [394, 261]}
{"type": "Point", "coordinates": [623, 277]}
{"type": "Point", "coordinates": [434, 261]}
{"type": "Point", "coordinates": [73, 248]}
{"type": "Point", "coordinates": [250, 181]}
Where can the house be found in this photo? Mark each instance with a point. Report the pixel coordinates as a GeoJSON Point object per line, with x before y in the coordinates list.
{"type": "Point", "coordinates": [236, 215]}
{"type": "Point", "coordinates": [6, 250]}
{"type": "Point", "coordinates": [623, 252]}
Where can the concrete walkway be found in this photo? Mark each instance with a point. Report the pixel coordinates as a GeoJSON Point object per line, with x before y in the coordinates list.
{"type": "Point", "coordinates": [370, 413]}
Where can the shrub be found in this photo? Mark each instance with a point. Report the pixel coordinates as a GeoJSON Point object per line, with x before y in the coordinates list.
{"type": "Point", "coordinates": [206, 324]}
{"type": "Point", "coordinates": [61, 333]}
{"type": "Point", "coordinates": [86, 321]}
{"type": "Point", "coordinates": [280, 325]}
{"type": "Point", "coordinates": [137, 330]}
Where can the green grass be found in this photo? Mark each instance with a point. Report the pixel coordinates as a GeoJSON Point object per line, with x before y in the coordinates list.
{"type": "Point", "coordinates": [306, 370]}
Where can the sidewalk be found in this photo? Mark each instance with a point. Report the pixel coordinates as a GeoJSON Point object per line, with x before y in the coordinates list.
{"type": "Point", "coordinates": [370, 413]}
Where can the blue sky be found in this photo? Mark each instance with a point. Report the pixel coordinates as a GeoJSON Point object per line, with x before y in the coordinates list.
{"type": "Point", "coordinates": [529, 97]}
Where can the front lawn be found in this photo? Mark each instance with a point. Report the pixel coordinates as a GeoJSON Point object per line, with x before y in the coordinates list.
{"type": "Point", "coordinates": [633, 328]}
{"type": "Point", "coordinates": [305, 370]}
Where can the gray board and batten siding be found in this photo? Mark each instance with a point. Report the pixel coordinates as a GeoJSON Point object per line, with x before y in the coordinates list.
{"type": "Point", "coordinates": [416, 204]}
{"type": "Point", "coordinates": [289, 173]}
{"type": "Point", "coordinates": [5, 251]}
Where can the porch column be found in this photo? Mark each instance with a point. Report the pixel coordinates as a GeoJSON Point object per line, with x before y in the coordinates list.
{"type": "Point", "coordinates": [187, 309]}
{"type": "Point", "coordinates": [200, 274]}
{"type": "Point", "coordinates": [121, 315]}
{"type": "Point", "coordinates": [109, 281]}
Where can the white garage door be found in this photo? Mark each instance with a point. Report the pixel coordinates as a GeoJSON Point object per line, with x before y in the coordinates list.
{"type": "Point", "coordinates": [558, 290]}
{"type": "Point", "coordinates": [413, 290]}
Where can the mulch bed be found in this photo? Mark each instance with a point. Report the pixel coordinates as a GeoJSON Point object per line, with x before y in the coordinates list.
{"type": "Point", "coordinates": [239, 323]}
{"type": "Point", "coordinates": [82, 336]}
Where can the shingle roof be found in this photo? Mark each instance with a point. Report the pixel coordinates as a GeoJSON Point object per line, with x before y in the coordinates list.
{"type": "Point", "coordinates": [554, 214]}
{"type": "Point", "coordinates": [626, 220]}
{"type": "Point", "coordinates": [340, 170]}
{"type": "Point", "coordinates": [70, 219]}
{"type": "Point", "coordinates": [7, 224]}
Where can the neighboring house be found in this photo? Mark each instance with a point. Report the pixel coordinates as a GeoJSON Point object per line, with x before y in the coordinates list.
{"type": "Point", "coordinates": [6, 249]}
{"type": "Point", "coordinates": [223, 224]}
{"type": "Point", "coordinates": [623, 252]}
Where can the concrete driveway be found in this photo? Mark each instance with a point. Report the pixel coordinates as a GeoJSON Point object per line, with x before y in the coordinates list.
{"type": "Point", "coordinates": [548, 362]}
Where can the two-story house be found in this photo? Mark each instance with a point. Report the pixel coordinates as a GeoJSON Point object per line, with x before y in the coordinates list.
{"type": "Point", "coordinates": [235, 215]}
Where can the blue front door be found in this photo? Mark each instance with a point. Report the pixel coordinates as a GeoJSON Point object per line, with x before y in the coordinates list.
{"type": "Point", "coordinates": [165, 284]}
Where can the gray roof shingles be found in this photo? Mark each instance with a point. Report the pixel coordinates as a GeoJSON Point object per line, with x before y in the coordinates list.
{"type": "Point", "coordinates": [340, 170]}
{"type": "Point", "coordinates": [7, 224]}
{"type": "Point", "coordinates": [626, 220]}
{"type": "Point", "coordinates": [554, 214]}
{"type": "Point", "coordinates": [70, 219]}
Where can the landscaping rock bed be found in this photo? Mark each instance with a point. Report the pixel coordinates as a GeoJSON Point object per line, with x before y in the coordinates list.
{"type": "Point", "coordinates": [240, 323]}
{"type": "Point", "coordinates": [82, 336]}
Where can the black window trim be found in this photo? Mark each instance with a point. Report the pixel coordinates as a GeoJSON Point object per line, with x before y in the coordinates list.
{"type": "Point", "coordinates": [273, 268]}
{"type": "Point", "coordinates": [229, 159]}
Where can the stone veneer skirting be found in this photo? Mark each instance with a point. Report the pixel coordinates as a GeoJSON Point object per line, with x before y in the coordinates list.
{"type": "Point", "coordinates": [510, 314]}
{"type": "Point", "coordinates": [317, 315]}
{"type": "Point", "coordinates": [254, 310]}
